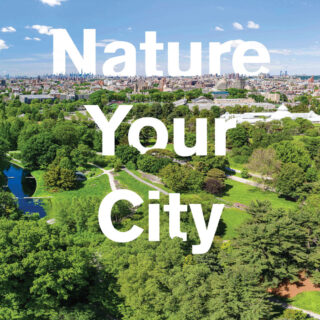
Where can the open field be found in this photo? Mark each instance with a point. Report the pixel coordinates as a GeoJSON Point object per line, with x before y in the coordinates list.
{"type": "Point", "coordinates": [159, 185]}
{"type": "Point", "coordinates": [97, 187]}
{"type": "Point", "coordinates": [128, 182]}
{"type": "Point", "coordinates": [235, 165]}
{"type": "Point", "coordinates": [243, 193]}
{"type": "Point", "coordinates": [307, 300]}
{"type": "Point", "coordinates": [233, 219]}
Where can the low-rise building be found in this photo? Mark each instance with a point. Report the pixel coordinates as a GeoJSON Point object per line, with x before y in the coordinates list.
{"type": "Point", "coordinates": [281, 113]}
{"type": "Point", "coordinates": [30, 97]}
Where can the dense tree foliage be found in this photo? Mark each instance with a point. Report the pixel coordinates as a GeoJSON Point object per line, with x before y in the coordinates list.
{"type": "Point", "coordinates": [46, 274]}
{"type": "Point", "coordinates": [181, 178]}
{"type": "Point", "coordinates": [289, 179]}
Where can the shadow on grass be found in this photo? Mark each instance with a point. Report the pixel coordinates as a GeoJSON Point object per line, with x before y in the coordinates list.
{"type": "Point", "coordinates": [222, 228]}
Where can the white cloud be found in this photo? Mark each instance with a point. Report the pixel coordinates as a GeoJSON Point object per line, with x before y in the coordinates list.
{"type": "Point", "coordinates": [253, 25]}
{"type": "Point", "coordinates": [34, 39]}
{"type": "Point", "coordinates": [284, 52]}
{"type": "Point", "coordinates": [8, 29]}
{"type": "Point", "coordinates": [129, 28]}
{"type": "Point", "coordinates": [235, 43]}
{"type": "Point", "coordinates": [19, 60]}
{"type": "Point", "coordinates": [104, 42]}
{"type": "Point", "coordinates": [237, 26]}
{"type": "Point", "coordinates": [3, 45]}
{"type": "Point", "coordinates": [52, 3]}
{"type": "Point", "coordinates": [217, 28]}
{"type": "Point", "coordinates": [41, 29]}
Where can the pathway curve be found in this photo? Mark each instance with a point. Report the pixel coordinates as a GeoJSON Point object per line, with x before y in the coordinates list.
{"type": "Point", "coordinates": [111, 181]}
{"type": "Point", "coordinates": [145, 182]}
{"type": "Point", "coordinates": [251, 183]}
{"type": "Point", "coordinates": [256, 175]}
{"type": "Point", "coordinates": [109, 174]}
{"type": "Point", "coordinates": [288, 306]}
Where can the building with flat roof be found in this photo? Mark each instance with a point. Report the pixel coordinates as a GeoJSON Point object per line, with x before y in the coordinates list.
{"type": "Point", "coordinates": [281, 113]}
{"type": "Point", "coordinates": [30, 97]}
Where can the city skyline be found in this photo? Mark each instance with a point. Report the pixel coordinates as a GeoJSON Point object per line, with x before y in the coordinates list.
{"type": "Point", "coordinates": [289, 30]}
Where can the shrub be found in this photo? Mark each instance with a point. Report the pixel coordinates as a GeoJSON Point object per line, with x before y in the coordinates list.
{"type": "Point", "coordinates": [182, 178]}
{"type": "Point", "coordinates": [131, 165]}
{"type": "Point", "coordinates": [312, 133]}
{"type": "Point", "coordinates": [57, 177]}
{"type": "Point", "coordinates": [151, 164]}
{"type": "Point", "coordinates": [105, 161]}
{"type": "Point", "coordinates": [117, 165]}
{"type": "Point", "coordinates": [214, 186]}
{"type": "Point", "coordinates": [245, 173]}
{"type": "Point", "coordinates": [127, 153]}
{"type": "Point", "coordinates": [216, 174]}
{"type": "Point", "coordinates": [293, 315]}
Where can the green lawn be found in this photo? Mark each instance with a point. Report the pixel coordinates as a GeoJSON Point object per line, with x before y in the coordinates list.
{"type": "Point", "coordinates": [159, 185]}
{"type": "Point", "coordinates": [128, 182]}
{"type": "Point", "coordinates": [243, 193]}
{"type": "Point", "coordinates": [170, 147]}
{"type": "Point", "coordinates": [98, 187]}
{"type": "Point", "coordinates": [233, 219]}
{"type": "Point", "coordinates": [235, 165]}
{"type": "Point", "coordinates": [307, 300]}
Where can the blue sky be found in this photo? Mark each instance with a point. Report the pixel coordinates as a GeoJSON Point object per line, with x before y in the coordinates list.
{"type": "Point", "coordinates": [288, 28]}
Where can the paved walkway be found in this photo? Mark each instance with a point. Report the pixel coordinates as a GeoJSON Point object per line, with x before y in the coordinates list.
{"type": "Point", "coordinates": [109, 174]}
{"type": "Point", "coordinates": [251, 183]}
{"type": "Point", "coordinates": [311, 314]}
{"type": "Point", "coordinates": [145, 182]}
{"type": "Point", "coordinates": [288, 306]}
{"type": "Point", "coordinates": [256, 175]}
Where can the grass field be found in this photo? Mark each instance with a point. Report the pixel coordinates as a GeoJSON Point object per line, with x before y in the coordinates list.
{"type": "Point", "coordinates": [235, 165]}
{"type": "Point", "coordinates": [308, 301]}
{"type": "Point", "coordinates": [137, 173]}
{"type": "Point", "coordinates": [243, 193]}
{"type": "Point", "coordinates": [128, 182]}
{"type": "Point", "coordinates": [97, 187]}
{"type": "Point", "coordinates": [233, 219]}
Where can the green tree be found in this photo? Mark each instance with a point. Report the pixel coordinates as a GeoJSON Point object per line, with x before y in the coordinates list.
{"type": "Point", "coordinates": [289, 179]}
{"type": "Point", "coordinates": [152, 164]}
{"type": "Point", "coordinates": [264, 161]}
{"type": "Point", "coordinates": [127, 153]}
{"type": "Point", "coordinates": [237, 137]}
{"type": "Point", "coordinates": [82, 155]}
{"type": "Point", "coordinates": [236, 294]}
{"type": "Point", "coordinates": [9, 207]}
{"type": "Point", "coordinates": [273, 243]}
{"type": "Point", "coordinates": [294, 152]}
{"type": "Point", "coordinates": [217, 175]}
{"type": "Point", "coordinates": [59, 177]}
{"type": "Point", "coordinates": [47, 273]}
{"type": "Point", "coordinates": [181, 178]}
{"type": "Point", "coordinates": [39, 151]}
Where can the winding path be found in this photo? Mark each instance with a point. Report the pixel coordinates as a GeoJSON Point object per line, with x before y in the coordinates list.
{"type": "Point", "coordinates": [256, 175]}
{"type": "Point", "coordinates": [251, 183]}
{"type": "Point", "coordinates": [145, 182]}
{"type": "Point", "coordinates": [111, 181]}
{"type": "Point", "coordinates": [288, 306]}
{"type": "Point", "coordinates": [109, 174]}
